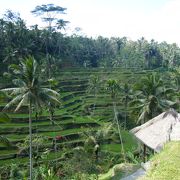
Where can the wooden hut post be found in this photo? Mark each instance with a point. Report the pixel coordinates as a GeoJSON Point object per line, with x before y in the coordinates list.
{"type": "Point", "coordinates": [144, 153]}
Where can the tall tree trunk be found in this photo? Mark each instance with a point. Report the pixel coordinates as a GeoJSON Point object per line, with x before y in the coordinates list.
{"type": "Point", "coordinates": [119, 131]}
{"type": "Point", "coordinates": [30, 143]}
{"type": "Point", "coordinates": [48, 65]}
{"type": "Point", "coordinates": [51, 117]}
{"type": "Point", "coordinates": [94, 105]}
{"type": "Point", "coordinates": [125, 118]}
{"type": "Point", "coordinates": [144, 153]}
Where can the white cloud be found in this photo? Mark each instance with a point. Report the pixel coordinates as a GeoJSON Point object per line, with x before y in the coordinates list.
{"type": "Point", "coordinates": [164, 24]}
{"type": "Point", "coordinates": [106, 18]}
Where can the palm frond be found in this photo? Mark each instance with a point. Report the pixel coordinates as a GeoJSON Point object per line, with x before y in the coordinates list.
{"type": "Point", "coordinates": [50, 91]}
{"type": "Point", "coordinates": [142, 117]}
{"type": "Point", "coordinates": [13, 101]}
{"type": "Point", "coordinates": [15, 68]}
{"type": "Point", "coordinates": [8, 90]}
{"type": "Point", "coordinates": [23, 101]}
{"type": "Point", "coordinates": [19, 82]}
{"type": "Point", "coordinates": [53, 99]}
{"type": "Point", "coordinates": [18, 91]}
{"type": "Point", "coordinates": [167, 103]}
{"type": "Point", "coordinates": [172, 112]}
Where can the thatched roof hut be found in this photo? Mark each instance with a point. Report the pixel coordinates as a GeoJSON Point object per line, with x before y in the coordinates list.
{"type": "Point", "coordinates": [161, 129]}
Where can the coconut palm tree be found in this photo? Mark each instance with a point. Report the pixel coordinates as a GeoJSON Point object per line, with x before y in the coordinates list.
{"type": "Point", "coordinates": [52, 106]}
{"type": "Point", "coordinates": [61, 24]}
{"type": "Point", "coordinates": [94, 140]}
{"type": "Point", "coordinates": [127, 96]}
{"type": "Point", "coordinates": [113, 88]}
{"type": "Point", "coordinates": [29, 91]}
{"type": "Point", "coordinates": [176, 93]}
{"type": "Point", "coordinates": [150, 97]}
{"type": "Point", "coordinates": [94, 85]}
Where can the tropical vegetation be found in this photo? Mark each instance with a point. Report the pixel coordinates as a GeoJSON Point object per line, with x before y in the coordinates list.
{"type": "Point", "coordinates": [68, 102]}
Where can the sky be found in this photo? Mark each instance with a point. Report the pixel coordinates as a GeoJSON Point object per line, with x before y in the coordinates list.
{"type": "Point", "coordinates": [152, 19]}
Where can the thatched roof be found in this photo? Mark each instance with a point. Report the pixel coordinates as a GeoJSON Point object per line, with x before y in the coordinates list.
{"type": "Point", "coordinates": [161, 129]}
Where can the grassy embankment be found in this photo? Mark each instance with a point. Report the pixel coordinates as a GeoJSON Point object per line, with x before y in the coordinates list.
{"type": "Point", "coordinates": [166, 165]}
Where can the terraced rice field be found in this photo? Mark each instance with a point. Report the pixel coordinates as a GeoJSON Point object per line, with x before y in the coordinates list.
{"type": "Point", "coordinates": [77, 114]}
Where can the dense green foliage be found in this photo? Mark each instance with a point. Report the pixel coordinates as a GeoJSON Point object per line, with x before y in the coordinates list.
{"type": "Point", "coordinates": [107, 86]}
{"type": "Point", "coordinates": [72, 120]}
{"type": "Point", "coordinates": [28, 91]}
{"type": "Point", "coordinates": [85, 108]}
{"type": "Point", "coordinates": [54, 49]}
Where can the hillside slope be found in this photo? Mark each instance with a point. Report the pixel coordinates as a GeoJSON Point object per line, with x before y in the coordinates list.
{"type": "Point", "coordinates": [76, 115]}
{"type": "Point", "coordinates": [166, 165]}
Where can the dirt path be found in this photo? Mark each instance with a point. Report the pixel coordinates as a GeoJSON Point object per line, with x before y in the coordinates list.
{"type": "Point", "coordinates": [139, 173]}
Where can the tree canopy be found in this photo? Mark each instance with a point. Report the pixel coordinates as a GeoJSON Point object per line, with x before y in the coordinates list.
{"type": "Point", "coordinates": [18, 41]}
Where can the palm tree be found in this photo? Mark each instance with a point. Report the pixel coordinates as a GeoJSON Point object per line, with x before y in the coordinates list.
{"type": "Point", "coordinates": [177, 77]}
{"type": "Point", "coordinates": [176, 94]}
{"type": "Point", "coordinates": [51, 106]}
{"type": "Point", "coordinates": [150, 97]}
{"type": "Point", "coordinates": [127, 96]}
{"type": "Point", "coordinates": [113, 88]}
{"type": "Point", "coordinates": [94, 87]}
{"type": "Point", "coordinates": [30, 92]}
{"type": "Point", "coordinates": [61, 24]}
{"type": "Point", "coordinates": [94, 140]}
